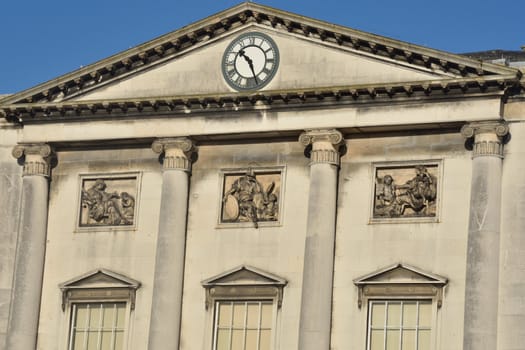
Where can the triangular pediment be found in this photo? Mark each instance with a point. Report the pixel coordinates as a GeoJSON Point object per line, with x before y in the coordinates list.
{"type": "Point", "coordinates": [314, 54]}
{"type": "Point", "coordinates": [99, 279]}
{"type": "Point", "coordinates": [244, 276]}
{"type": "Point", "coordinates": [400, 274]}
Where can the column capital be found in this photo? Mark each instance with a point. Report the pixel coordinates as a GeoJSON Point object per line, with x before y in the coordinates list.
{"type": "Point", "coordinates": [325, 144]}
{"type": "Point", "coordinates": [177, 151]}
{"type": "Point", "coordinates": [487, 137]}
{"type": "Point", "coordinates": [36, 158]}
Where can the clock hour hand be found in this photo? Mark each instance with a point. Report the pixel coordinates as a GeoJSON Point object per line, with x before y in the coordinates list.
{"type": "Point", "coordinates": [250, 63]}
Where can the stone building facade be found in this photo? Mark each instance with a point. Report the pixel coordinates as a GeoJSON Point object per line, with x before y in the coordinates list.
{"type": "Point", "coordinates": [261, 180]}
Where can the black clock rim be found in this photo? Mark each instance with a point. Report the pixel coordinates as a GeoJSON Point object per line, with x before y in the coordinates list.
{"type": "Point", "coordinates": [270, 76]}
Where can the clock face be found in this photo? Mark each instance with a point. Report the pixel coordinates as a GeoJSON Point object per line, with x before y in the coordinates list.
{"type": "Point", "coordinates": [250, 61]}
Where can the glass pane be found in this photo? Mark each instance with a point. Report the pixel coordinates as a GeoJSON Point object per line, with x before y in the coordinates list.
{"type": "Point", "coordinates": [424, 340]}
{"type": "Point", "coordinates": [119, 341]}
{"type": "Point", "coordinates": [425, 314]}
{"type": "Point", "coordinates": [92, 341]}
{"type": "Point", "coordinates": [223, 339]}
{"type": "Point", "coordinates": [225, 313]}
{"type": "Point", "coordinates": [253, 316]}
{"type": "Point", "coordinates": [238, 315]}
{"type": "Point", "coordinates": [409, 340]}
{"type": "Point", "coordinates": [81, 316]}
{"type": "Point", "coordinates": [378, 315]}
{"type": "Point", "coordinates": [377, 340]}
{"type": "Point", "coordinates": [394, 314]}
{"type": "Point", "coordinates": [121, 312]}
{"type": "Point", "coordinates": [251, 339]}
{"type": "Point", "coordinates": [237, 339]}
{"type": "Point", "coordinates": [409, 314]}
{"type": "Point", "coordinates": [109, 314]}
{"type": "Point", "coordinates": [392, 339]}
{"type": "Point", "coordinates": [107, 341]}
{"type": "Point", "coordinates": [265, 340]}
{"type": "Point", "coordinates": [78, 341]}
{"type": "Point", "coordinates": [266, 317]}
{"type": "Point", "coordinates": [94, 316]}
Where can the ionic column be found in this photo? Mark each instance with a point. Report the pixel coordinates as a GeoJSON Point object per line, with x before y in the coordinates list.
{"type": "Point", "coordinates": [481, 290]}
{"type": "Point", "coordinates": [171, 243]}
{"type": "Point", "coordinates": [31, 246]}
{"type": "Point", "coordinates": [316, 303]}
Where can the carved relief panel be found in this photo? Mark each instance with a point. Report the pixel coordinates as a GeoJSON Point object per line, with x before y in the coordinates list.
{"type": "Point", "coordinates": [251, 196]}
{"type": "Point", "coordinates": [108, 200]}
{"type": "Point", "coordinates": [406, 191]}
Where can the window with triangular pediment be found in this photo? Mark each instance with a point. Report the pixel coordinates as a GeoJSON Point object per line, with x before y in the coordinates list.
{"type": "Point", "coordinates": [244, 305]}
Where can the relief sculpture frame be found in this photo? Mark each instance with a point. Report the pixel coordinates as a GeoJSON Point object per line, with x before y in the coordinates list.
{"type": "Point", "coordinates": [405, 192]}
{"type": "Point", "coordinates": [251, 197]}
{"type": "Point", "coordinates": [108, 202]}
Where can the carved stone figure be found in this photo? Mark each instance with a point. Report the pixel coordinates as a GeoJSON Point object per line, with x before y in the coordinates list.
{"type": "Point", "coordinates": [107, 208]}
{"type": "Point", "coordinates": [248, 200]}
{"type": "Point", "coordinates": [416, 197]}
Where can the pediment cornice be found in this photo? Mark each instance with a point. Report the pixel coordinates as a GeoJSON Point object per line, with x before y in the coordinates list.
{"type": "Point", "coordinates": [49, 112]}
{"type": "Point", "coordinates": [199, 33]}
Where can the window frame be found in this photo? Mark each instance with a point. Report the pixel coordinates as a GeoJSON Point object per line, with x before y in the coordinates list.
{"type": "Point", "coordinates": [71, 314]}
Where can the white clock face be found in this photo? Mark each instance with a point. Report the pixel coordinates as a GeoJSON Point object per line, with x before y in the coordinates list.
{"type": "Point", "coordinates": [250, 61]}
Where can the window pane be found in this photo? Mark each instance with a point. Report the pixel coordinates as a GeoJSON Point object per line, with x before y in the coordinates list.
{"type": "Point", "coordinates": [392, 339]}
{"type": "Point", "coordinates": [92, 341]}
{"type": "Point", "coordinates": [119, 341]}
{"type": "Point", "coordinates": [424, 340]}
{"type": "Point", "coordinates": [109, 314]}
{"type": "Point", "coordinates": [265, 341]}
{"type": "Point", "coordinates": [394, 313]}
{"type": "Point", "coordinates": [237, 339]}
{"type": "Point", "coordinates": [378, 315]}
{"type": "Point", "coordinates": [121, 318]}
{"type": "Point", "coordinates": [266, 319]}
{"type": "Point", "coordinates": [78, 341]}
{"type": "Point", "coordinates": [81, 316]}
{"type": "Point", "coordinates": [409, 314]}
{"type": "Point", "coordinates": [409, 340]}
{"type": "Point", "coordinates": [225, 311]}
{"type": "Point", "coordinates": [253, 316]}
{"type": "Point", "coordinates": [94, 316]}
{"type": "Point", "coordinates": [238, 315]}
{"type": "Point", "coordinates": [223, 339]}
{"type": "Point", "coordinates": [251, 340]}
{"type": "Point", "coordinates": [107, 341]}
{"type": "Point", "coordinates": [425, 314]}
{"type": "Point", "coordinates": [377, 340]}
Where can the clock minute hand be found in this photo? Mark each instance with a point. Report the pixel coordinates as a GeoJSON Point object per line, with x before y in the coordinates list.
{"type": "Point", "coordinates": [250, 63]}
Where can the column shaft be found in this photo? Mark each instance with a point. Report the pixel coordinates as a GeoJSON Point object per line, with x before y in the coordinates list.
{"type": "Point", "coordinates": [482, 280]}
{"type": "Point", "coordinates": [171, 243]}
{"type": "Point", "coordinates": [30, 251]}
{"type": "Point", "coordinates": [316, 302]}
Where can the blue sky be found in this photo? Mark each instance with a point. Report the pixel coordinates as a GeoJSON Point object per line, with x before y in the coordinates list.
{"type": "Point", "coordinates": [41, 40]}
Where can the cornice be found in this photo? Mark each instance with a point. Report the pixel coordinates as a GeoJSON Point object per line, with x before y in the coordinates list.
{"type": "Point", "coordinates": [182, 40]}
{"type": "Point", "coordinates": [275, 99]}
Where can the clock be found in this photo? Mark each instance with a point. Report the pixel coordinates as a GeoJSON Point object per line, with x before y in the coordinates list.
{"type": "Point", "coordinates": [250, 61]}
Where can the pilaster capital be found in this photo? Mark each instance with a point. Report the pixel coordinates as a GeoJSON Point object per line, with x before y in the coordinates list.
{"type": "Point", "coordinates": [35, 157]}
{"type": "Point", "coordinates": [487, 137]}
{"type": "Point", "coordinates": [325, 144]}
{"type": "Point", "coordinates": [177, 151]}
